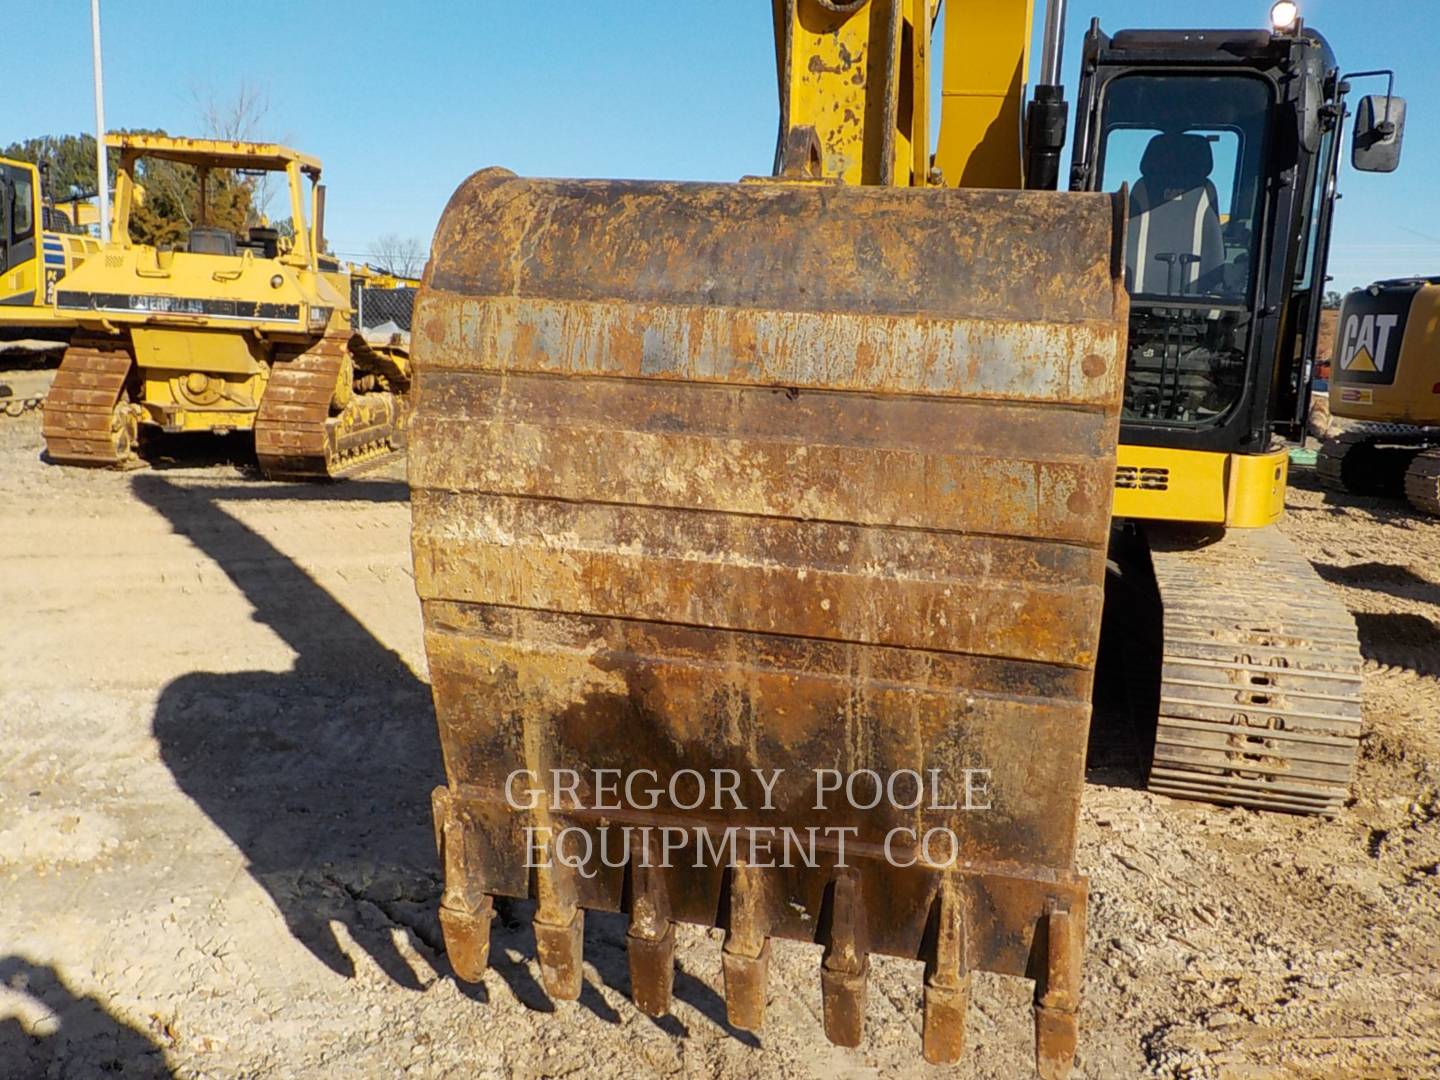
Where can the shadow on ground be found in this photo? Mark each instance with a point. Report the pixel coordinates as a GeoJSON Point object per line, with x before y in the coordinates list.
{"type": "Point", "coordinates": [322, 775]}
{"type": "Point", "coordinates": [1384, 509]}
{"type": "Point", "coordinates": [47, 1029]}
{"type": "Point", "coordinates": [1387, 578]}
{"type": "Point", "coordinates": [1400, 640]}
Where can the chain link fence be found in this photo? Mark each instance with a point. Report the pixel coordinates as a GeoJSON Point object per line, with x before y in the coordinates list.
{"type": "Point", "coordinates": [375, 307]}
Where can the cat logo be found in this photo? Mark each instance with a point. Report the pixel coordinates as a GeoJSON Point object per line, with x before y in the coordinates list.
{"type": "Point", "coordinates": [1363, 343]}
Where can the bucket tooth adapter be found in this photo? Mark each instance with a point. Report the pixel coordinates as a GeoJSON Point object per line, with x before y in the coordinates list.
{"type": "Point", "coordinates": [786, 484]}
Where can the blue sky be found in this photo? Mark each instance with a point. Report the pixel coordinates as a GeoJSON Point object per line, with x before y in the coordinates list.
{"type": "Point", "coordinates": [402, 101]}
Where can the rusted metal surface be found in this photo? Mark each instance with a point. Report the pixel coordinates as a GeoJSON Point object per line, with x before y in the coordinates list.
{"type": "Point", "coordinates": [313, 425]}
{"type": "Point", "coordinates": [87, 418]}
{"type": "Point", "coordinates": [769, 477]}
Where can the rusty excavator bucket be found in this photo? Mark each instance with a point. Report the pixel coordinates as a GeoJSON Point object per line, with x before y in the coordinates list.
{"type": "Point", "coordinates": [760, 532]}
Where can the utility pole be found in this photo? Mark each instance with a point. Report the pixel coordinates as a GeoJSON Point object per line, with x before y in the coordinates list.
{"type": "Point", "coordinates": [102, 167]}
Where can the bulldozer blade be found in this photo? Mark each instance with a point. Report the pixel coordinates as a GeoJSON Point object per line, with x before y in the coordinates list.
{"type": "Point", "coordinates": [760, 536]}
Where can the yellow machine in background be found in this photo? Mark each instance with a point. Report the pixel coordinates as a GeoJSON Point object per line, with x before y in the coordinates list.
{"type": "Point", "coordinates": [38, 246]}
{"type": "Point", "coordinates": [234, 333]}
{"type": "Point", "coordinates": [1385, 372]}
{"type": "Point", "coordinates": [372, 278]}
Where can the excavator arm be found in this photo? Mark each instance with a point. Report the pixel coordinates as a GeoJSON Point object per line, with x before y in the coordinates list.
{"type": "Point", "coordinates": [857, 74]}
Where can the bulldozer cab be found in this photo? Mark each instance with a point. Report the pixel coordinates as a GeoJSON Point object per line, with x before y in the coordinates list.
{"type": "Point", "coordinates": [224, 269]}
{"type": "Point", "coordinates": [1229, 141]}
{"type": "Point", "coordinates": [208, 157]}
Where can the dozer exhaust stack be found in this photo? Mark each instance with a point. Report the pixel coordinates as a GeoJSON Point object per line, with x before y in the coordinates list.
{"type": "Point", "coordinates": [760, 535]}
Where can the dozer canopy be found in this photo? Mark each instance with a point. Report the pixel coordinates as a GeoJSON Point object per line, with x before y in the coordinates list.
{"type": "Point", "coordinates": [215, 153]}
{"type": "Point", "coordinates": [760, 532]}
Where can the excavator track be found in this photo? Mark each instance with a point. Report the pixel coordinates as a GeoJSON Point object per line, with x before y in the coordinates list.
{"type": "Point", "coordinates": [1371, 461]}
{"type": "Point", "coordinates": [299, 437]}
{"type": "Point", "coordinates": [88, 420]}
{"type": "Point", "coordinates": [1422, 482]}
{"type": "Point", "coordinates": [1261, 678]}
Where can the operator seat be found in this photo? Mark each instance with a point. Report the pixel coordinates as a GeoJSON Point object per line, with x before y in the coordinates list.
{"type": "Point", "coordinates": [208, 240]}
{"type": "Point", "coordinates": [1174, 245]}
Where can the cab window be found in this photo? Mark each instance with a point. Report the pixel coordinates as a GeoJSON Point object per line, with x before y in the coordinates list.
{"type": "Point", "coordinates": [22, 222]}
{"type": "Point", "coordinates": [1192, 149]}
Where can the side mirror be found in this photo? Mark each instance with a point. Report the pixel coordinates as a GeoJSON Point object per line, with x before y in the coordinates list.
{"type": "Point", "coordinates": [1379, 131]}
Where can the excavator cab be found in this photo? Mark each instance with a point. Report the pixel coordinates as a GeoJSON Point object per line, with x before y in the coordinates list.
{"type": "Point", "coordinates": [1230, 143]}
{"type": "Point", "coordinates": [37, 247]}
{"type": "Point", "coordinates": [1227, 140]}
{"type": "Point", "coordinates": [18, 200]}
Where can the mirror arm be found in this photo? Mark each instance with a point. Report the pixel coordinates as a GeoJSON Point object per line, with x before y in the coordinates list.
{"type": "Point", "coordinates": [1389, 74]}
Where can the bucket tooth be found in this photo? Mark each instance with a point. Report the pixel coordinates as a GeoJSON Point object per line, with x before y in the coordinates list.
{"type": "Point", "coordinates": [843, 994]}
{"type": "Point", "coordinates": [845, 973]}
{"type": "Point", "coordinates": [652, 970]}
{"type": "Point", "coordinates": [651, 940]}
{"type": "Point", "coordinates": [746, 956]}
{"type": "Point", "coordinates": [560, 948]}
{"type": "Point", "coordinates": [1057, 995]}
{"type": "Point", "coordinates": [745, 979]}
{"type": "Point", "coordinates": [465, 911]}
{"type": "Point", "coordinates": [559, 930]}
{"type": "Point", "coordinates": [947, 978]}
{"type": "Point", "coordinates": [467, 939]}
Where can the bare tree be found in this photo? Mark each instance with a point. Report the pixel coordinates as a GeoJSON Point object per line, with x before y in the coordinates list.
{"type": "Point", "coordinates": [403, 256]}
{"type": "Point", "coordinates": [239, 117]}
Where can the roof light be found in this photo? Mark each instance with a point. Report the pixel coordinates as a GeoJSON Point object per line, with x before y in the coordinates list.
{"type": "Point", "coordinates": [1284, 15]}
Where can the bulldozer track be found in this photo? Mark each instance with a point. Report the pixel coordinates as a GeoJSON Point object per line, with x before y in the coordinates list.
{"type": "Point", "coordinates": [86, 419]}
{"type": "Point", "coordinates": [1261, 679]}
{"type": "Point", "coordinates": [296, 435]}
{"type": "Point", "coordinates": [1422, 482]}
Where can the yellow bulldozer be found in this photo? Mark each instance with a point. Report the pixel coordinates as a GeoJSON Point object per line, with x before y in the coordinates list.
{"type": "Point", "coordinates": [232, 333]}
{"type": "Point", "coordinates": [761, 529]}
{"type": "Point", "coordinates": [1385, 373]}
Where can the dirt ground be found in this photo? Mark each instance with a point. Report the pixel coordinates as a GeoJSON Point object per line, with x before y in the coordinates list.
{"type": "Point", "coordinates": [216, 854]}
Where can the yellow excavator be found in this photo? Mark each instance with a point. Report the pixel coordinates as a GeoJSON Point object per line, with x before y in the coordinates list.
{"type": "Point", "coordinates": [38, 246]}
{"type": "Point", "coordinates": [761, 529]}
{"type": "Point", "coordinates": [1386, 374]}
{"type": "Point", "coordinates": [1231, 142]}
{"type": "Point", "coordinates": [232, 333]}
